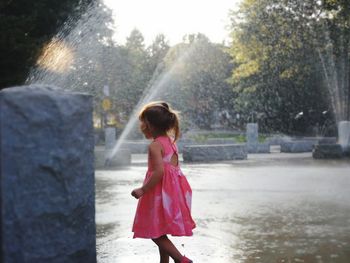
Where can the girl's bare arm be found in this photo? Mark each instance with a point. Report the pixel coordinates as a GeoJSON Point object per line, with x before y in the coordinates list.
{"type": "Point", "coordinates": [155, 152]}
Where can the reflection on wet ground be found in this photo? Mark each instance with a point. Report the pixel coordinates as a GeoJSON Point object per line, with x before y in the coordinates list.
{"type": "Point", "coordinates": [270, 208]}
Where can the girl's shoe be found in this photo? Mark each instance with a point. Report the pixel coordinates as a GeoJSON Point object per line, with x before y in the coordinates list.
{"type": "Point", "coordinates": [186, 260]}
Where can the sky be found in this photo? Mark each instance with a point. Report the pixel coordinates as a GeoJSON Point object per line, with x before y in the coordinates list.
{"type": "Point", "coordinates": [172, 18]}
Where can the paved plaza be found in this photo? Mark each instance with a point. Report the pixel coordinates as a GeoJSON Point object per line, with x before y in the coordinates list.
{"type": "Point", "coordinates": [270, 208]}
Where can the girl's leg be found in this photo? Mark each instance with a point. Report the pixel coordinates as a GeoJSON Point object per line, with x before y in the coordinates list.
{"type": "Point", "coordinates": [168, 247]}
{"type": "Point", "coordinates": [164, 257]}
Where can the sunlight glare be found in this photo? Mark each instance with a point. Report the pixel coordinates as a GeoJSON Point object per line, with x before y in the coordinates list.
{"type": "Point", "coordinates": [56, 56]}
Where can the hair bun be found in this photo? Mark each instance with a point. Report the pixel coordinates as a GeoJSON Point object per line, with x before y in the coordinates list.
{"type": "Point", "coordinates": [165, 105]}
{"type": "Point", "coordinates": [172, 115]}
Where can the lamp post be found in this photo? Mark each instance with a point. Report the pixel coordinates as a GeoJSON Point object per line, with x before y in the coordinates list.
{"type": "Point", "coordinates": [110, 132]}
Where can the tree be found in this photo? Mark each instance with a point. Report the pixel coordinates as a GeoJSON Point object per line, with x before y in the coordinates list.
{"type": "Point", "coordinates": [277, 71]}
{"type": "Point", "coordinates": [197, 71]}
{"type": "Point", "coordinates": [25, 28]}
{"type": "Point", "coordinates": [157, 51]}
{"type": "Point", "coordinates": [334, 50]}
{"type": "Point", "coordinates": [138, 72]}
{"type": "Point", "coordinates": [80, 57]}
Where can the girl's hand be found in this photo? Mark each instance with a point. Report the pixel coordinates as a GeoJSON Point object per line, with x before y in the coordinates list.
{"type": "Point", "coordinates": [137, 193]}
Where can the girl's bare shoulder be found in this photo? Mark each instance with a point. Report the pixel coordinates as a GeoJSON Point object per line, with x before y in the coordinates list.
{"type": "Point", "coordinates": [155, 146]}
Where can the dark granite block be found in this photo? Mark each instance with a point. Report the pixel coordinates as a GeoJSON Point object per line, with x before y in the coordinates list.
{"type": "Point", "coordinates": [211, 153]}
{"type": "Point", "coordinates": [327, 151]}
{"type": "Point", "coordinates": [297, 146]}
{"type": "Point", "coordinates": [259, 148]}
{"type": "Point", "coordinates": [46, 176]}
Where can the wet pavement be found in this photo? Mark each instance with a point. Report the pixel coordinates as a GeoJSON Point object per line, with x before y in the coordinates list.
{"type": "Point", "coordinates": [270, 208]}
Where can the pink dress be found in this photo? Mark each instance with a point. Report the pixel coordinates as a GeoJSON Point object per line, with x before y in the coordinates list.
{"type": "Point", "coordinates": [166, 208]}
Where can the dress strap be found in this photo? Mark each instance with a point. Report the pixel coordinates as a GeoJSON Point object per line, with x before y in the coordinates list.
{"type": "Point", "coordinates": [169, 147]}
{"type": "Point", "coordinates": [173, 145]}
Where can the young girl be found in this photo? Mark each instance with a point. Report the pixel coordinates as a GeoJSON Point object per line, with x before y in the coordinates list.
{"type": "Point", "coordinates": [164, 205]}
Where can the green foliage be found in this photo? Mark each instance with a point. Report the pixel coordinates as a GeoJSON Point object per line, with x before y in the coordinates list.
{"type": "Point", "coordinates": [199, 70]}
{"type": "Point", "coordinates": [236, 138]}
{"type": "Point", "coordinates": [127, 70]}
{"type": "Point", "coordinates": [139, 72]}
{"type": "Point", "coordinates": [334, 50]}
{"type": "Point", "coordinates": [157, 51]}
{"type": "Point", "coordinates": [283, 59]}
{"type": "Point", "coordinates": [276, 47]}
{"type": "Point", "coordinates": [262, 138]}
{"type": "Point", "coordinates": [241, 139]}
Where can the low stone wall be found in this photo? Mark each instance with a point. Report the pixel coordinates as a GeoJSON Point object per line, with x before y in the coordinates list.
{"type": "Point", "coordinates": [218, 152]}
{"type": "Point", "coordinates": [259, 148]}
{"type": "Point", "coordinates": [288, 144]}
{"type": "Point", "coordinates": [327, 151]}
{"type": "Point", "coordinates": [220, 141]}
{"type": "Point", "coordinates": [186, 142]}
{"type": "Point", "coordinates": [140, 146]}
{"type": "Point", "coordinates": [277, 140]}
{"type": "Point", "coordinates": [298, 146]}
{"type": "Point", "coordinates": [306, 144]}
{"type": "Point", "coordinates": [122, 158]}
{"type": "Point", "coordinates": [346, 152]}
{"type": "Point", "coordinates": [327, 140]}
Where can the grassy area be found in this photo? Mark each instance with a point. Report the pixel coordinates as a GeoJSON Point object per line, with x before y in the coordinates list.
{"type": "Point", "coordinates": [238, 138]}
{"type": "Point", "coordinates": [262, 138]}
{"type": "Point", "coordinates": [204, 137]}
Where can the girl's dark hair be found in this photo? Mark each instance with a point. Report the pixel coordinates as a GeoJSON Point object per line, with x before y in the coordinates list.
{"type": "Point", "coordinates": [161, 117]}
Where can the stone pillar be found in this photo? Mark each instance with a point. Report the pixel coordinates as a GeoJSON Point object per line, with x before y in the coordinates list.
{"type": "Point", "coordinates": [344, 134]}
{"type": "Point", "coordinates": [46, 176]}
{"type": "Point", "coordinates": [252, 137]}
{"type": "Point", "coordinates": [110, 140]}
